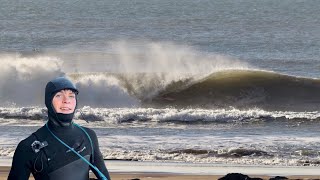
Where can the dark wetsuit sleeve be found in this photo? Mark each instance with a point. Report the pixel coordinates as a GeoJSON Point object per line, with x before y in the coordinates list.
{"type": "Point", "coordinates": [20, 169]}
{"type": "Point", "coordinates": [98, 158]}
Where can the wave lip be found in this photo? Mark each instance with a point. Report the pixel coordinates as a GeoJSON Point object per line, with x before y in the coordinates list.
{"type": "Point", "coordinates": [244, 89]}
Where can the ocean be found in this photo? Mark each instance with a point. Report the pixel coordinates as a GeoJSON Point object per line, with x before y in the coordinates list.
{"type": "Point", "coordinates": [211, 82]}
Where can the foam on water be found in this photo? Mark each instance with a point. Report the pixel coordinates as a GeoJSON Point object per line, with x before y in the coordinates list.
{"type": "Point", "coordinates": [122, 115]}
{"type": "Point", "coordinates": [248, 144]}
{"type": "Point", "coordinates": [186, 135]}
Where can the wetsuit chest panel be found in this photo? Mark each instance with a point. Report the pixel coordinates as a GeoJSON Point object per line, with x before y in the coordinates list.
{"type": "Point", "coordinates": [76, 170]}
{"type": "Point", "coordinates": [55, 156]}
{"type": "Point", "coordinates": [59, 156]}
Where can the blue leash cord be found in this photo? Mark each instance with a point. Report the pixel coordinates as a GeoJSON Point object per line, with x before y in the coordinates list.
{"type": "Point", "coordinates": [102, 176]}
{"type": "Point", "coordinates": [88, 138]}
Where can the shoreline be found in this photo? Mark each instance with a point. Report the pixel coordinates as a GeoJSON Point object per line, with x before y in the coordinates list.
{"type": "Point", "coordinates": [127, 170]}
{"type": "Point", "coordinates": [4, 171]}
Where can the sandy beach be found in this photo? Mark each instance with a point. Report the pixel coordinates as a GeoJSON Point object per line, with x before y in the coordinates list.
{"type": "Point", "coordinates": [142, 176]}
{"type": "Point", "coordinates": [4, 170]}
{"type": "Point", "coordinates": [128, 170]}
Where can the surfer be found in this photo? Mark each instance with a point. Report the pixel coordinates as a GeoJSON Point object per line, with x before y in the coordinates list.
{"type": "Point", "coordinates": [60, 149]}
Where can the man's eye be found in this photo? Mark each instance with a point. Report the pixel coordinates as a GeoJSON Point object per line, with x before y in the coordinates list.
{"type": "Point", "coordinates": [58, 95]}
{"type": "Point", "coordinates": [71, 96]}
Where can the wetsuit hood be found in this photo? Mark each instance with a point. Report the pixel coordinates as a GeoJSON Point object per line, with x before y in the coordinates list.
{"type": "Point", "coordinates": [52, 88]}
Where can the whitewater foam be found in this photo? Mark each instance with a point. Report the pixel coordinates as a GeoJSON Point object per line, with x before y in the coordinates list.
{"type": "Point", "coordinates": [122, 115]}
{"type": "Point", "coordinates": [24, 78]}
{"type": "Point", "coordinates": [226, 136]}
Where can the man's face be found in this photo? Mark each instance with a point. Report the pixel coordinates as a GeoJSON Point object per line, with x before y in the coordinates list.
{"type": "Point", "coordinates": [64, 101]}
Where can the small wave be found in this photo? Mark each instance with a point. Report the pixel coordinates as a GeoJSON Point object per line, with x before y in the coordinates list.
{"type": "Point", "coordinates": [195, 156]}
{"type": "Point", "coordinates": [32, 113]}
{"type": "Point", "coordinates": [168, 115]}
{"type": "Point", "coordinates": [248, 157]}
{"type": "Point", "coordinates": [7, 151]}
{"type": "Point", "coordinates": [309, 162]}
{"type": "Point", "coordinates": [241, 152]}
{"type": "Point", "coordinates": [232, 153]}
{"type": "Point", "coordinates": [190, 151]}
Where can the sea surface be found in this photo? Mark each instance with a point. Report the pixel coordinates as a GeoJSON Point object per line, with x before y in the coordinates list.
{"type": "Point", "coordinates": [231, 82]}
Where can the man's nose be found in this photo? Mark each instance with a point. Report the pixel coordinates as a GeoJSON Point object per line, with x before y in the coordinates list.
{"type": "Point", "coordinates": [66, 99]}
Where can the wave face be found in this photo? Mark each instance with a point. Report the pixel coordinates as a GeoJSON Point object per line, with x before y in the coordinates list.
{"type": "Point", "coordinates": [244, 89]}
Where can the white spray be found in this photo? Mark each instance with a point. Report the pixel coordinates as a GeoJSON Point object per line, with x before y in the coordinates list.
{"type": "Point", "coordinates": [125, 72]}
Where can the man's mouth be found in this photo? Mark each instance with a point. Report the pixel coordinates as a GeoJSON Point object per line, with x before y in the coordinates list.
{"type": "Point", "coordinates": [65, 108]}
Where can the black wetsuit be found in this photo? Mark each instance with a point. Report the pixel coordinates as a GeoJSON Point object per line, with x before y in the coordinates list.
{"type": "Point", "coordinates": [54, 161]}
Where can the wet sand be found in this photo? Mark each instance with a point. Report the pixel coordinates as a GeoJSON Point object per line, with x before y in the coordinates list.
{"type": "Point", "coordinates": [4, 170]}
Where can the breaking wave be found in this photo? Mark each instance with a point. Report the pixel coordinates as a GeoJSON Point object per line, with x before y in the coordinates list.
{"type": "Point", "coordinates": [167, 115]}
{"type": "Point", "coordinates": [157, 75]}
{"type": "Point", "coordinates": [123, 76]}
